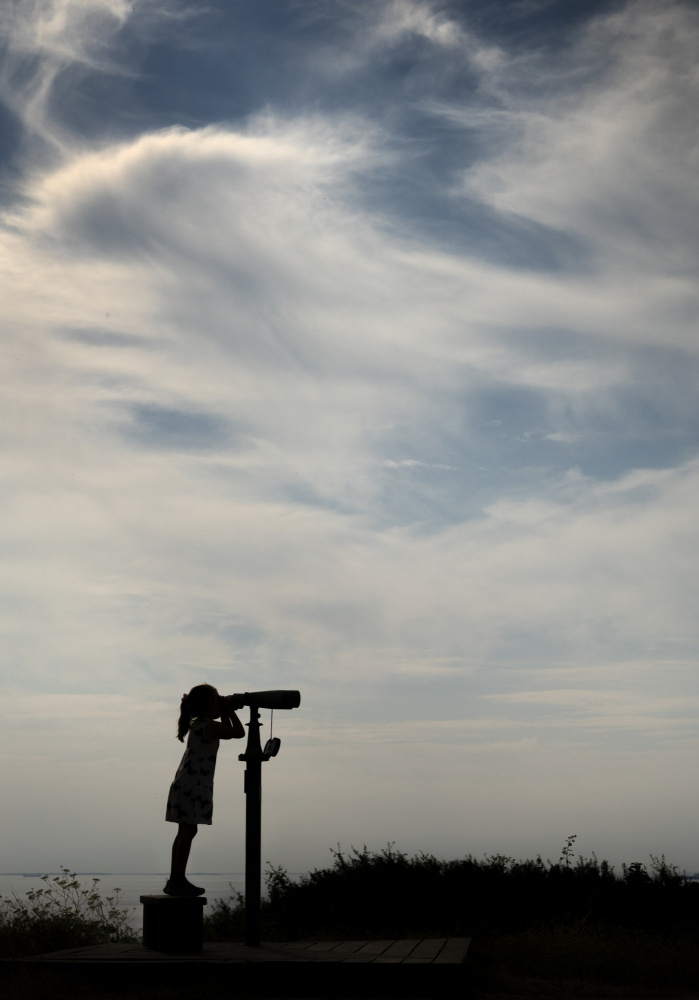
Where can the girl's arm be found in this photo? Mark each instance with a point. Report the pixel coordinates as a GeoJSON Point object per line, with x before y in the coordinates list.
{"type": "Point", "coordinates": [229, 728]}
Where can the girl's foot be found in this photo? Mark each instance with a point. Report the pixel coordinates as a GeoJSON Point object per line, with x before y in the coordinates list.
{"type": "Point", "coordinates": [194, 889]}
{"type": "Point", "coordinates": [181, 887]}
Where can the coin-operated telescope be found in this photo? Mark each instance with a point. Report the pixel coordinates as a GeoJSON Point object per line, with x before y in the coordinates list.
{"type": "Point", "coordinates": [254, 756]}
{"type": "Point", "coordinates": [267, 699]}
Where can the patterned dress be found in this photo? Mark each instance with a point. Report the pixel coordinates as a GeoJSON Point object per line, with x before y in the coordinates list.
{"type": "Point", "coordinates": [191, 798]}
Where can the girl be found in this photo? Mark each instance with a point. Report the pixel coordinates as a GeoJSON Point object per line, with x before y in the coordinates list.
{"type": "Point", "coordinates": [191, 794]}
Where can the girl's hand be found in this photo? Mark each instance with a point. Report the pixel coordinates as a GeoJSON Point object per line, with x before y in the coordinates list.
{"type": "Point", "coordinates": [226, 707]}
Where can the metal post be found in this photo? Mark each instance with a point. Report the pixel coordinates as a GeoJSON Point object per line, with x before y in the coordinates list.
{"type": "Point", "coordinates": [253, 758]}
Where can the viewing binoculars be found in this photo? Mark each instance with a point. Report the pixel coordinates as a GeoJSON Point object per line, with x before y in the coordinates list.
{"type": "Point", "coordinates": [267, 699]}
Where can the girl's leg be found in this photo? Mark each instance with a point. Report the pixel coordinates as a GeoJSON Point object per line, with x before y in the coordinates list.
{"type": "Point", "coordinates": [186, 833]}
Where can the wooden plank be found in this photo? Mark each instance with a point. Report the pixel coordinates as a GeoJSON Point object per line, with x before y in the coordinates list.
{"type": "Point", "coordinates": [369, 952]}
{"type": "Point", "coordinates": [428, 948]}
{"type": "Point", "coordinates": [324, 946]}
{"type": "Point", "coordinates": [453, 952]}
{"type": "Point", "coordinates": [401, 949]}
{"type": "Point", "coordinates": [298, 945]}
{"type": "Point", "coordinates": [348, 947]}
{"type": "Point", "coordinates": [375, 947]}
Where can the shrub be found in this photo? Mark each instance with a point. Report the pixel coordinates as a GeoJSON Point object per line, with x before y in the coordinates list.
{"type": "Point", "coordinates": [388, 894]}
{"type": "Point", "coordinates": [61, 914]}
{"type": "Point", "coordinates": [226, 921]}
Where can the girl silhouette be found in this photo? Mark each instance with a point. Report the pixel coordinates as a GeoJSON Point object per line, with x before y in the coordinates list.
{"type": "Point", "coordinates": [190, 801]}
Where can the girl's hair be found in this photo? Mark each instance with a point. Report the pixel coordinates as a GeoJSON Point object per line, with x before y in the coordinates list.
{"type": "Point", "coordinates": [192, 705]}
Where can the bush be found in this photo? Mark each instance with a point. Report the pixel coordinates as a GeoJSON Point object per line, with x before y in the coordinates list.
{"type": "Point", "coordinates": [62, 914]}
{"type": "Point", "coordinates": [387, 894]}
{"type": "Point", "coordinates": [226, 921]}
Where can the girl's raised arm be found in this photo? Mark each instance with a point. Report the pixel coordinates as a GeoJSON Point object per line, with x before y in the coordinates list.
{"type": "Point", "coordinates": [229, 728]}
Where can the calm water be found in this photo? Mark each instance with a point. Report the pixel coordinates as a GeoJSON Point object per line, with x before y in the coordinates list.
{"type": "Point", "coordinates": [219, 886]}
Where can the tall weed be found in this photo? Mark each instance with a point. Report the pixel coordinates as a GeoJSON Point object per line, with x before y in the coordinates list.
{"type": "Point", "coordinates": [63, 913]}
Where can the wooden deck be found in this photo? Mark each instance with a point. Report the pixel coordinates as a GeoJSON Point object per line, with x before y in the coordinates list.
{"type": "Point", "coordinates": [429, 968]}
{"type": "Point", "coordinates": [429, 951]}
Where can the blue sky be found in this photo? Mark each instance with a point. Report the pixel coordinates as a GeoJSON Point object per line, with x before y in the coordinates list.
{"type": "Point", "coordinates": [351, 347]}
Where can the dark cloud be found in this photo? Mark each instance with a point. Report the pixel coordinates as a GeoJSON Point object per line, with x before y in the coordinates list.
{"type": "Point", "coordinates": [162, 428]}
{"type": "Point", "coordinates": [531, 24]}
{"type": "Point", "coordinates": [10, 144]}
{"type": "Point", "coordinates": [499, 438]}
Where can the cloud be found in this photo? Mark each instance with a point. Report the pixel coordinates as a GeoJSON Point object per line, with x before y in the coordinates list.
{"type": "Point", "coordinates": [261, 423]}
{"type": "Point", "coordinates": [270, 300]}
{"type": "Point", "coordinates": [48, 46]}
{"type": "Point", "coordinates": [608, 161]}
{"type": "Point", "coordinates": [394, 23]}
{"type": "Point", "coordinates": [161, 427]}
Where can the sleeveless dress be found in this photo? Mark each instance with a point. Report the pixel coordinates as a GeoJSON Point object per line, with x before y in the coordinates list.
{"type": "Point", "coordinates": [191, 797]}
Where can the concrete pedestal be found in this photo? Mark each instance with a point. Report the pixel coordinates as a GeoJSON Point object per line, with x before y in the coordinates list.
{"type": "Point", "coordinates": [173, 924]}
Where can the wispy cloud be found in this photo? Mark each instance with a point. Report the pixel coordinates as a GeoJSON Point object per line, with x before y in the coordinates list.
{"type": "Point", "coordinates": [49, 45]}
{"type": "Point", "coordinates": [388, 394]}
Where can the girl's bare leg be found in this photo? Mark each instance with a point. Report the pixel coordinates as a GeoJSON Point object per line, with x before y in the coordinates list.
{"type": "Point", "coordinates": [186, 833]}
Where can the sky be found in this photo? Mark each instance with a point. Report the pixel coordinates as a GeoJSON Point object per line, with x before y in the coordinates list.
{"type": "Point", "coordinates": [351, 347]}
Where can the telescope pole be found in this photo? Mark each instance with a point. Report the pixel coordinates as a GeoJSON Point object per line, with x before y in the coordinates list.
{"type": "Point", "coordinates": [253, 758]}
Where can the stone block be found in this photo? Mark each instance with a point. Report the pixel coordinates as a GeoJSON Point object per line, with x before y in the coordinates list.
{"type": "Point", "coordinates": [173, 924]}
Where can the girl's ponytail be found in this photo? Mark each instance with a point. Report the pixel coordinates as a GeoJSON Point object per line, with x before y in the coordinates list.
{"type": "Point", "coordinates": [192, 706]}
{"type": "Point", "coordinates": [184, 719]}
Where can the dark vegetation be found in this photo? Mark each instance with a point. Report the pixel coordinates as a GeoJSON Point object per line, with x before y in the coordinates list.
{"type": "Point", "coordinates": [62, 914]}
{"type": "Point", "coordinates": [573, 927]}
{"type": "Point", "coordinates": [390, 895]}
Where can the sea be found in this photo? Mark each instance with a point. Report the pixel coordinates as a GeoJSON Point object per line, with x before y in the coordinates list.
{"type": "Point", "coordinates": [218, 885]}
